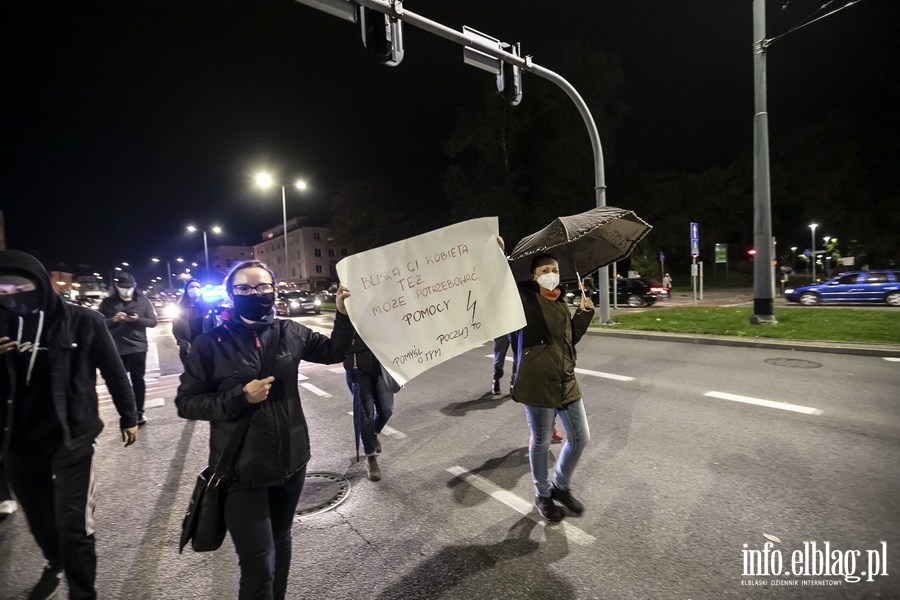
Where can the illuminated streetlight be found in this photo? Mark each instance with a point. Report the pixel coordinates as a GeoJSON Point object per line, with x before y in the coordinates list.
{"type": "Point", "coordinates": [265, 181]}
{"type": "Point", "coordinates": [215, 229]}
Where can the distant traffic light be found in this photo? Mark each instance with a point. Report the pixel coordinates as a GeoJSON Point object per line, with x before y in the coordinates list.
{"type": "Point", "coordinates": [509, 81]}
{"type": "Point", "coordinates": [382, 35]}
{"type": "Point", "coordinates": [751, 252]}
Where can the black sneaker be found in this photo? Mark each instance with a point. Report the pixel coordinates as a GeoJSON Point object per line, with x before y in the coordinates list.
{"type": "Point", "coordinates": [142, 420]}
{"type": "Point", "coordinates": [548, 510]}
{"type": "Point", "coordinates": [495, 388]}
{"type": "Point", "coordinates": [47, 584]}
{"type": "Point", "coordinates": [566, 498]}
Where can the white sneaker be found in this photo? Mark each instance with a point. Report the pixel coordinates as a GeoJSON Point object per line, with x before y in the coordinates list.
{"type": "Point", "coordinates": [8, 507]}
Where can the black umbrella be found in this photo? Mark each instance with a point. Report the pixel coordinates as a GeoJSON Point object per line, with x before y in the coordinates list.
{"type": "Point", "coordinates": [582, 243]}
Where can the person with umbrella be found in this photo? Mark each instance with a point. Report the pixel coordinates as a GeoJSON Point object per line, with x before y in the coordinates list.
{"type": "Point", "coordinates": [545, 383]}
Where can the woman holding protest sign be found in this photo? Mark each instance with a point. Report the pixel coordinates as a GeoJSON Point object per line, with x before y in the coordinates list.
{"type": "Point", "coordinates": [243, 374]}
{"type": "Point", "coordinates": [545, 383]}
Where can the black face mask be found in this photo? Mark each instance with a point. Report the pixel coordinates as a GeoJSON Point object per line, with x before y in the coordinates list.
{"type": "Point", "coordinates": [21, 304]}
{"type": "Point", "coordinates": [255, 306]}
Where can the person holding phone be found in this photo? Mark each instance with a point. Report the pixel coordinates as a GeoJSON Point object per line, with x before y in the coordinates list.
{"type": "Point", "coordinates": [128, 315]}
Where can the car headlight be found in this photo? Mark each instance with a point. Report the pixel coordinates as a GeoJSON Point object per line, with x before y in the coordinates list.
{"type": "Point", "coordinates": [294, 304]}
{"type": "Point", "coordinates": [789, 291]}
{"type": "Point", "coordinates": [171, 311]}
{"type": "Point", "coordinates": [317, 302]}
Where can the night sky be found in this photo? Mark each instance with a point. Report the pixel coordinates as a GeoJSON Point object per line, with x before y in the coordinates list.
{"type": "Point", "coordinates": [123, 122]}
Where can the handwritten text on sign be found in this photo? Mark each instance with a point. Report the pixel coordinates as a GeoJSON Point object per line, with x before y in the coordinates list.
{"type": "Point", "coordinates": [422, 301]}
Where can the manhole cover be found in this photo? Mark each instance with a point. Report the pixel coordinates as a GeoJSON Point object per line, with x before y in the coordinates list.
{"type": "Point", "coordinates": [322, 491]}
{"type": "Point", "coordinates": [793, 362]}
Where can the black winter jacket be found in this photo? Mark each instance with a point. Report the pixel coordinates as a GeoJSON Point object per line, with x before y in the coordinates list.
{"type": "Point", "coordinates": [229, 356]}
{"type": "Point", "coordinates": [131, 336]}
{"type": "Point", "coordinates": [78, 344]}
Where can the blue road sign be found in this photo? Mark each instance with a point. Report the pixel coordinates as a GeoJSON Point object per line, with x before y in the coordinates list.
{"type": "Point", "coordinates": [695, 248]}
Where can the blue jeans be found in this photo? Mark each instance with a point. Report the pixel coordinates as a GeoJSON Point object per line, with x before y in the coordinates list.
{"type": "Point", "coordinates": [540, 420]}
{"type": "Point", "coordinates": [377, 405]}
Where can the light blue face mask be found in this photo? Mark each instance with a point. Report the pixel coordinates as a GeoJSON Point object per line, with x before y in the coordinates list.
{"type": "Point", "coordinates": [125, 292]}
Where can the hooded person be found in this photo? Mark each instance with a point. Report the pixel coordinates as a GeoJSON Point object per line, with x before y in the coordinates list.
{"type": "Point", "coordinates": [128, 315]}
{"type": "Point", "coordinates": [49, 354]}
{"type": "Point", "coordinates": [195, 316]}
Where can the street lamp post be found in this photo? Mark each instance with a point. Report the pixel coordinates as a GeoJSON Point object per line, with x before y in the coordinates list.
{"type": "Point", "coordinates": [264, 180]}
{"type": "Point", "coordinates": [813, 261]}
{"type": "Point", "coordinates": [168, 270]}
{"type": "Point", "coordinates": [215, 229]}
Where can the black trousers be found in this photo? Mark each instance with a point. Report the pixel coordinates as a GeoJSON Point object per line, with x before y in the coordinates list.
{"type": "Point", "coordinates": [136, 365]}
{"type": "Point", "coordinates": [259, 521]}
{"type": "Point", "coordinates": [56, 493]}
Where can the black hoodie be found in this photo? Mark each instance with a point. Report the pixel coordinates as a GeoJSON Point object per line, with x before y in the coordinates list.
{"type": "Point", "coordinates": [50, 375]}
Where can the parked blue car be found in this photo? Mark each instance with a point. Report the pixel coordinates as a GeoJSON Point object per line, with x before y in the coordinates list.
{"type": "Point", "coordinates": [858, 286]}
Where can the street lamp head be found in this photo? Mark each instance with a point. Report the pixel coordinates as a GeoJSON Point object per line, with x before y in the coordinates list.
{"type": "Point", "coordinates": [813, 226]}
{"type": "Point", "coordinates": [180, 259]}
{"type": "Point", "coordinates": [216, 229]}
{"type": "Point", "coordinates": [155, 259]}
{"type": "Point", "coordinates": [793, 248]}
{"type": "Point", "coordinates": [264, 180]}
{"type": "Point", "coordinates": [300, 184]}
{"type": "Point", "coordinates": [191, 228]}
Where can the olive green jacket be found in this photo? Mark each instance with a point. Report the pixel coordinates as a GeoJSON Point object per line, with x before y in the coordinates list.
{"type": "Point", "coordinates": [545, 373]}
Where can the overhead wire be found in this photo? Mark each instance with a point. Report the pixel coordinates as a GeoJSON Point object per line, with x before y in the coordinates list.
{"type": "Point", "coordinates": [812, 18]}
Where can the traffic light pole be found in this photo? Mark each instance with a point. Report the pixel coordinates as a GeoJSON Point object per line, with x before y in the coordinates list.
{"type": "Point", "coordinates": [394, 9]}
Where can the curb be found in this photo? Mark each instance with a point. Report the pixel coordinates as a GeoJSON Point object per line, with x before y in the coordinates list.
{"type": "Point", "coordinates": [883, 350]}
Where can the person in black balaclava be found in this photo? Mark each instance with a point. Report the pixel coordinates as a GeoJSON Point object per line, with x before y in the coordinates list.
{"type": "Point", "coordinates": [128, 314]}
{"type": "Point", "coordinates": [49, 417]}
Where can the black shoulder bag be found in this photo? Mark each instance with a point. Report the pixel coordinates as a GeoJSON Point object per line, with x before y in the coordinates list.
{"type": "Point", "coordinates": [204, 523]}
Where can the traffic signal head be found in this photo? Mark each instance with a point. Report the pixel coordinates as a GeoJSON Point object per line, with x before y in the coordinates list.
{"type": "Point", "coordinates": [382, 35]}
{"type": "Point", "coordinates": [509, 81]}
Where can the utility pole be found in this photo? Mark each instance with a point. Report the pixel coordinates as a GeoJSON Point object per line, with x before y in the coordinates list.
{"type": "Point", "coordinates": [763, 278]}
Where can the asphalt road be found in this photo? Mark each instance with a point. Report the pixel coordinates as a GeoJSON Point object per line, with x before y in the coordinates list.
{"type": "Point", "coordinates": [696, 451]}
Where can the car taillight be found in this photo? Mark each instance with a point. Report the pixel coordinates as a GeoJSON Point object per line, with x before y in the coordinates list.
{"type": "Point", "coordinates": [657, 290]}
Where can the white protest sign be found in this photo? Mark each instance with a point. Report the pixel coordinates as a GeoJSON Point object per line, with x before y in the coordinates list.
{"type": "Point", "coordinates": [421, 301]}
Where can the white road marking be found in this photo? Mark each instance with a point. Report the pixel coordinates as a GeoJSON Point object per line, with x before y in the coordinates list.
{"type": "Point", "coordinates": [767, 403]}
{"type": "Point", "coordinates": [338, 370]}
{"type": "Point", "coordinates": [604, 375]}
{"type": "Point", "coordinates": [315, 390]}
{"type": "Point", "coordinates": [301, 377]}
{"type": "Point", "coordinates": [586, 372]}
{"type": "Point", "coordinates": [154, 403]}
{"type": "Point", "coordinates": [891, 359]}
{"type": "Point", "coordinates": [522, 507]}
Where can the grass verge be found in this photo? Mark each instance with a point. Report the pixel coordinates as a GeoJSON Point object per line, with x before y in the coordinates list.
{"type": "Point", "coordinates": [829, 324]}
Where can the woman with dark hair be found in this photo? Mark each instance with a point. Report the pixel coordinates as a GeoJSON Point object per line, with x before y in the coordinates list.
{"type": "Point", "coordinates": [195, 316]}
{"type": "Point", "coordinates": [545, 383]}
{"type": "Point", "coordinates": [246, 368]}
